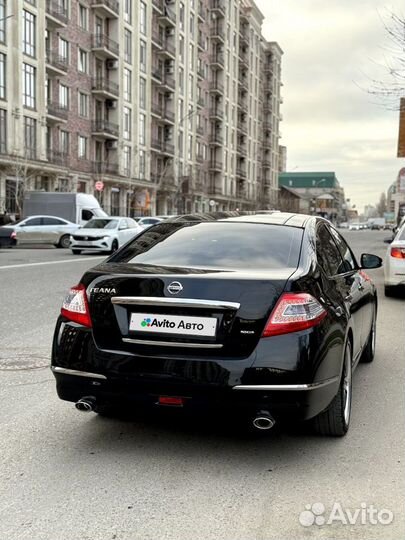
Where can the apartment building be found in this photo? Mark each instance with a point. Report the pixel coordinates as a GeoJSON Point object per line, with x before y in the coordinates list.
{"type": "Point", "coordinates": [171, 106]}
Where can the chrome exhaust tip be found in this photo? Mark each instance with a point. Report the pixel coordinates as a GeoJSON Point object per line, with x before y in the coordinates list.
{"type": "Point", "coordinates": [263, 421]}
{"type": "Point", "coordinates": [85, 404]}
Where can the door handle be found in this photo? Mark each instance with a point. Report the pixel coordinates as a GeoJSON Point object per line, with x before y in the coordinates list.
{"type": "Point", "coordinates": [339, 311]}
{"type": "Point", "coordinates": [360, 287]}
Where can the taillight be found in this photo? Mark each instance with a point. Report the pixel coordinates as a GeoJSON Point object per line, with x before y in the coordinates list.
{"type": "Point", "coordinates": [398, 253]}
{"type": "Point", "coordinates": [75, 306]}
{"type": "Point", "coordinates": [292, 313]}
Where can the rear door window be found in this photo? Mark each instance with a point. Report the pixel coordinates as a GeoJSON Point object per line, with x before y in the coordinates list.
{"type": "Point", "coordinates": [225, 245]}
{"type": "Point", "coordinates": [349, 262]}
{"type": "Point", "coordinates": [52, 221]}
{"type": "Point", "coordinates": [327, 252]}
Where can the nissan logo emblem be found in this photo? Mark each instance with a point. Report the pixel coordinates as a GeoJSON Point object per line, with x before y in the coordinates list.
{"type": "Point", "coordinates": [175, 287]}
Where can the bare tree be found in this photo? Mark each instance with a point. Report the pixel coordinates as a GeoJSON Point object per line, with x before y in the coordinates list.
{"type": "Point", "coordinates": [382, 205]}
{"type": "Point", "coordinates": [20, 171]}
{"type": "Point", "coordinates": [390, 90]}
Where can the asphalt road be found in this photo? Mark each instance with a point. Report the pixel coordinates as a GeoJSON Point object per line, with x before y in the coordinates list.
{"type": "Point", "coordinates": [69, 476]}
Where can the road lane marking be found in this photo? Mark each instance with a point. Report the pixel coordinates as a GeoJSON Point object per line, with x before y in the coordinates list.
{"type": "Point", "coordinates": [48, 262]}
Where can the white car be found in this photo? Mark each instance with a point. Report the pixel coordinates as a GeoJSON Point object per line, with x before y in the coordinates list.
{"type": "Point", "coordinates": [104, 234]}
{"type": "Point", "coordinates": [394, 268]}
{"type": "Point", "coordinates": [44, 230]}
{"type": "Point", "coordinates": [355, 226]}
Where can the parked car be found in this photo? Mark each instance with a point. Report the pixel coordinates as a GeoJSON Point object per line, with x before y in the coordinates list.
{"type": "Point", "coordinates": [44, 230]}
{"type": "Point", "coordinates": [146, 222]}
{"type": "Point", "coordinates": [394, 267]}
{"type": "Point", "coordinates": [104, 234]}
{"type": "Point", "coordinates": [195, 314]}
{"type": "Point", "coordinates": [7, 237]}
{"type": "Point", "coordinates": [354, 227]}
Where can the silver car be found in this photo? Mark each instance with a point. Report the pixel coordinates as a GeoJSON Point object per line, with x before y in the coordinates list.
{"type": "Point", "coordinates": [44, 230]}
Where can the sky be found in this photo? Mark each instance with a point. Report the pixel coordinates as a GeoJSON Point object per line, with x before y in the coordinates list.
{"type": "Point", "coordinates": [332, 51]}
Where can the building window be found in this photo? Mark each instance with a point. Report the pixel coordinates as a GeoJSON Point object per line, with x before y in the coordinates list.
{"type": "Point", "coordinates": [3, 21]}
{"type": "Point", "coordinates": [181, 16]}
{"type": "Point", "coordinates": [128, 11]}
{"type": "Point", "coordinates": [142, 56]}
{"type": "Point", "coordinates": [127, 160]}
{"type": "Point", "coordinates": [181, 50]}
{"type": "Point", "coordinates": [3, 131]}
{"type": "Point", "coordinates": [190, 86]}
{"type": "Point", "coordinates": [142, 136]}
{"type": "Point", "coordinates": [29, 33]}
{"type": "Point", "coordinates": [29, 79]}
{"type": "Point", "coordinates": [2, 76]}
{"type": "Point", "coordinates": [142, 164]}
{"type": "Point", "coordinates": [142, 93]}
{"type": "Point", "coordinates": [82, 61]}
{"type": "Point", "coordinates": [83, 17]}
{"type": "Point", "coordinates": [127, 45]}
{"type": "Point", "coordinates": [191, 56]}
{"type": "Point", "coordinates": [127, 84]}
{"type": "Point", "coordinates": [64, 142]}
{"type": "Point", "coordinates": [82, 147]}
{"type": "Point", "coordinates": [127, 123]}
{"type": "Point", "coordinates": [142, 18]}
{"type": "Point", "coordinates": [63, 96]}
{"type": "Point", "coordinates": [83, 105]}
{"type": "Point", "coordinates": [63, 49]}
{"type": "Point", "coordinates": [30, 137]}
{"type": "Point", "coordinates": [191, 25]}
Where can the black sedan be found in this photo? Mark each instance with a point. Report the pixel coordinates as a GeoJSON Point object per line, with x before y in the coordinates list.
{"type": "Point", "coordinates": [8, 237]}
{"type": "Point", "coordinates": [264, 315]}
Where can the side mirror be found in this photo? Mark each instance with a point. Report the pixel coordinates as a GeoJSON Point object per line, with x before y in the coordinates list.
{"type": "Point", "coordinates": [388, 239]}
{"type": "Point", "coordinates": [368, 261]}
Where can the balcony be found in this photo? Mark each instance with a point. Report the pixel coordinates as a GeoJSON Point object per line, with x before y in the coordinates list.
{"type": "Point", "coordinates": [168, 17]}
{"type": "Point", "coordinates": [200, 72]}
{"type": "Point", "coordinates": [218, 7]}
{"type": "Point", "coordinates": [213, 189]}
{"type": "Point", "coordinates": [200, 102]}
{"type": "Point", "coordinates": [157, 4]}
{"type": "Point", "coordinates": [105, 129]}
{"type": "Point", "coordinates": [241, 173]}
{"type": "Point", "coordinates": [243, 107]}
{"type": "Point", "coordinates": [157, 109]}
{"type": "Point", "coordinates": [243, 60]}
{"type": "Point", "coordinates": [217, 33]}
{"type": "Point", "coordinates": [105, 167]}
{"type": "Point", "coordinates": [243, 38]}
{"type": "Point", "coordinates": [164, 147]}
{"type": "Point", "coordinates": [104, 46]}
{"type": "Point", "coordinates": [157, 74]}
{"type": "Point", "coordinates": [217, 61]}
{"type": "Point", "coordinates": [106, 8]}
{"type": "Point", "coordinates": [216, 166]}
{"type": "Point", "coordinates": [59, 158]}
{"type": "Point", "coordinates": [267, 127]}
{"type": "Point", "coordinates": [216, 87]}
{"type": "Point", "coordinates": [56, 14]}
{"type": "Point", "coordinates": [167, 82]}
{"type": "Point", "coordinates": [266, 164]}
{"type": "Point", "coordinates": [242, 149]}
{"type": "Point", "coordinates": [157, 38]}
{"type": "Point", "coordinates": [199, 158]}
{"type": "Point", "coordinates": [56, 114]}
{"type": "Point", "coordinates": [200, 130]}
{"type": "Point", "coordinates": [242, 127]}
{"type": "Point", "coordinates": [268, 68]}
{"type": "Point", "coordinates": [215, 139]}
{"type": "Point", "coordinates": [216, 114]}
{"type": "Point", "coordinates": [201, 11]}
{"type": "Point", "coordinates": [105, 88]}
{"type": "Point", "coordinates": [168, 49]}
{"type": "Point", "coordinates": [201, 42]}
{"type": "Point", "coordinates": [56, 65]}
{"type": "Point", "coordinates": [243, 82]}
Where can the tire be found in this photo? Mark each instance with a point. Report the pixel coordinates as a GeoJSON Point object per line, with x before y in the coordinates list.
{"type": "Point", "coordinates": [335, 420]}
{"type": "Point", "coordinates": [114, 246]}
{"type": "Point", "coordinates": [369, 351]}
{"type": "Point", "coordinates": [64, 242]}
{"type": "Point", "coordinates": [76, 251]}
{"type": "Point", "coordinates": [389, 291]}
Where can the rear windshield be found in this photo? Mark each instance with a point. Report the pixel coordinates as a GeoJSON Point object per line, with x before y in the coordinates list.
{"type": "Point", "coordinates": [225, 245]}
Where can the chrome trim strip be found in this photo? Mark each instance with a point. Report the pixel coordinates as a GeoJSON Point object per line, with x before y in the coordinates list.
{"type": "Point", "coordinates": [174, 344]}
{"type": "Point", "coordinates": [286, 387]}
{"type": "Point", "coordinates": [176, 302]}
{"type": "Point", "coordinates": [66, 371]}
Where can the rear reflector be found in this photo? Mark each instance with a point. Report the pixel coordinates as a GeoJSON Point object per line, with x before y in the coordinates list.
{"type": "Point", "coordinates": [75, 306]}
{"type": "Point", "coordinates": [170, 400]}
{"type": "Point", "coordinates": [398, 253]}
{"type": "Point", "coordinates": [292, 313]}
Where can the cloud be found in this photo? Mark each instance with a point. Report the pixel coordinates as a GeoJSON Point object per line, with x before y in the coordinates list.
{"type": "Point", "coordinates": [332, 50]}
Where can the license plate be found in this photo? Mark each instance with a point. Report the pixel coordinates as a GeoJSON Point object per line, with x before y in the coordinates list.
{"type": "Point", "coordinates": [173, 324]}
